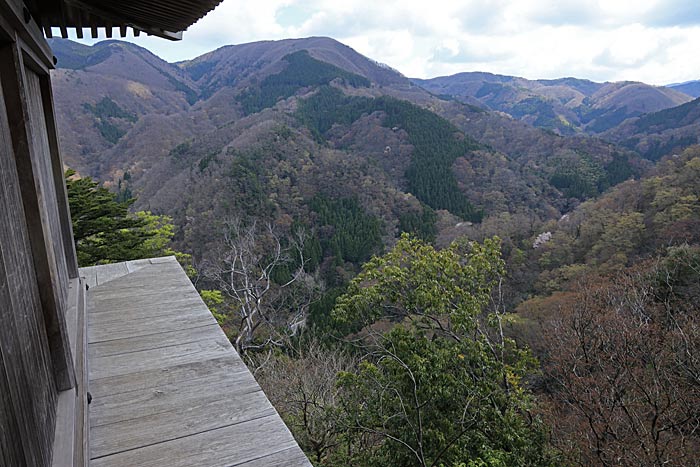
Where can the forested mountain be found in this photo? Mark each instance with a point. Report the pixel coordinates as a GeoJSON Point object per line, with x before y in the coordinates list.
{"type": "Point", "coordinates": [566, 105]}
{"type": "Point", "coordinates": [292, 171]}
{"type": "Point", "coordinates": [657, 134]}
{"type": "Point", "coordinates": [131, 122]}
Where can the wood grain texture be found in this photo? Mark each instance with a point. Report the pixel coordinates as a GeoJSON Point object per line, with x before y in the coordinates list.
{"type": "Point", "coordinates": [41, 159]}
{"type": "Point", "coordinates": [27, 143]}
{"type": "Point", "coordinates": [247, 443]}
{"type": "Point", "coordinates": [57, 167]}
{"type": "Point", "coordinates": [168, 388]}
{"type": "Point", "coordinates": [29, 392]}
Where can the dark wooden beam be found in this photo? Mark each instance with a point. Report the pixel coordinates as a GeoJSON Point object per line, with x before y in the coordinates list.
{"type": "Point", "coordinates": [13, 12]}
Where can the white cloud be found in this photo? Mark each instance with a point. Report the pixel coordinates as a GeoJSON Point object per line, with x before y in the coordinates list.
{"type": "Point", "coordinates": [648, 40]}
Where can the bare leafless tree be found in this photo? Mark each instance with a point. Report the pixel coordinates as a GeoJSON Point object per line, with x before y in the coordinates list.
{"type": "Point", "coordinates": [623, 368]}
{"type": "Point", "coordinates": [269, 312]}
{"type": "Point", "coordinates": [304, 389]}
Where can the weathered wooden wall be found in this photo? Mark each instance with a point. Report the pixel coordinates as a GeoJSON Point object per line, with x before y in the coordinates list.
{"type": "Point", "coordinates": [37, 262]}
{"type": "Point", "coordinates": [28, 393]}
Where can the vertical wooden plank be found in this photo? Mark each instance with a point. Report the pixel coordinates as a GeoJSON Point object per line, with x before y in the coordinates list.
{"type": "Point", "coordinates": [11, 452]}
{"type": "Point", "coordinates": [58, 178]}
{"type": "Point", "coordinates": [42, 160]}
{"type": "Point", "coordinates": [37, 219]}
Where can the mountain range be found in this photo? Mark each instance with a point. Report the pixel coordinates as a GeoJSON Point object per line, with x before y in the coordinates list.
{"type": "Point", "coordinates": [270, 128]}
{"type": "Point", "coordinates": [566, 105]}
{"type": "Point", "coordinates": [593, 190]}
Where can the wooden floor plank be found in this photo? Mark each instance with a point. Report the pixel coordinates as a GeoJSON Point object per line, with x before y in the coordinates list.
{"type": "Point", "coordinates": [118, 306]}
{"type": "Point", "coordinates": [152, 341]}
{"type": "Point", "coordinates": [164, 398]}
{"type": "Point", "coordinates": [292, 457]}
{"type": "Point", "coordinates": [204, 414]}
{"type": "Point", "coordinates": [163, 376]}
{"type": "Point", "coordinates": [127, 329]}
{"type": "Point", "coordinates": [228, 446]}
{"type": "Point", "coordinates": [144, 360]}
{"type": "Point", "coordinates": [141, 287]}
{"type": "Point", "coordinates": [109, 272]}
{"type": "Point", "coordinates": [168, 388]}
{"type": "Point", "coordinates": [186, 307]}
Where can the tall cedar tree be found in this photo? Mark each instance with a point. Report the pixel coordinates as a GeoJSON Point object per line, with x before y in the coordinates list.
{"type": "Point", "coordinates": [103, 229]}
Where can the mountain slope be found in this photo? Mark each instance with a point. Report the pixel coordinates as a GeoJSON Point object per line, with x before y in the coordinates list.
{"type": "Point", "coordinates": [567, 105]}
{"type": "Point", "coordinates": [691, 88]}
{"type": "Point", "coordinates": [657, 134]}
{"type": "Point", "coordinates": [239, 65]}
{"type": "Point", "coordinates": [268, 129]}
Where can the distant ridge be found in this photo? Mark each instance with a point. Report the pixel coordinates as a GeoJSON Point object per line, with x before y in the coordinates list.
{"type": "Point", "coordinates": [565, 105]}
{"type": "Point", "coordinates": [692, 88]}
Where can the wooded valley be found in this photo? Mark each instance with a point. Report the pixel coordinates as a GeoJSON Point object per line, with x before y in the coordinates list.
{"type": "Point", "coordinates": [422, 273]}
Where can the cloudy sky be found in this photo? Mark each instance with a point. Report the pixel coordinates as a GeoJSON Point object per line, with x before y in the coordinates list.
{"type": "Point", "coordinates": [655, 41]}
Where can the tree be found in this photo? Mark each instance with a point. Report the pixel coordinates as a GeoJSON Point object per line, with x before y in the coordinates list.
{"type": "Point", "coordinates": [271, 305]}
{"type": "Point", "coordinates": [623, 366]}
{"type": "Point", "coordinates": [443, 386]}
{"type": "Point", "coordinates": [105, 231]}
{"type": "Point", "coordinates": [302, 385]}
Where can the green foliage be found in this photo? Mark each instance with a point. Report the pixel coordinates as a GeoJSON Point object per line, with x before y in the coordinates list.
{"type": "Point", "coordinates": [214, 299]}
{"type": "Point", "coordinates": [436, 389]}
{"type": "Point", "coordinates": [543, 109]}
{"type": "Point", "coordinates": [197, 69]}
{"type": "Point", "coordinates": [354, 235]}
{"type": "Point", "coordinates": [436, 143]}
{"type": "Point", "coordinates": [105, 111]}
{"type": "Point", "coordinates": [414, 279]}
{"type": "Point", "coordinates": [247, 180]}
{"type": "Point", "coordinates": [617, 171]}
{"type": "Point", "coordinates": [320, 319]}
{"type": "Point", "coordinates": [603, 119]}
{"type": "Point", "coordinates": [191, 95]}
{"type": "Point", "coordinates": [579, 178]}
{"type": "Point", "coordinates": [160, 229]}
{"type": "Point", "coordinates": [329, 106]}
{"type": "Point", "coordinates": [669, 118]}
{"type": "Point", "coordinates": [181, 150]}
{"type": "Point", "coordinates": [489, 88]}
{"type": "Point", "coordinates": [631, 221]}
{"type": "Point", "coordinates": [109, 131]}
{"type": "Point", "coordinates": [103, 229]}
{"type": "Point", "coordinates": [107, 108]}
{"type": "Point", "coordinates": [421, 225]}
{"type": "Point", "coordinates": [302, 71]}
{"type": "Point", "coordinates": [124, 192]}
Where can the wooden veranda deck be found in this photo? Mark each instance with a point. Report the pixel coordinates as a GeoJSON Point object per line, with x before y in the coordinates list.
{"type": "Point", "coordinates": [168, 389]}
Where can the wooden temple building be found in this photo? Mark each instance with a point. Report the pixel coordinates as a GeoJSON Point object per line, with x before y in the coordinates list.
{"type": "Point", "coordinates": [115, 365]}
